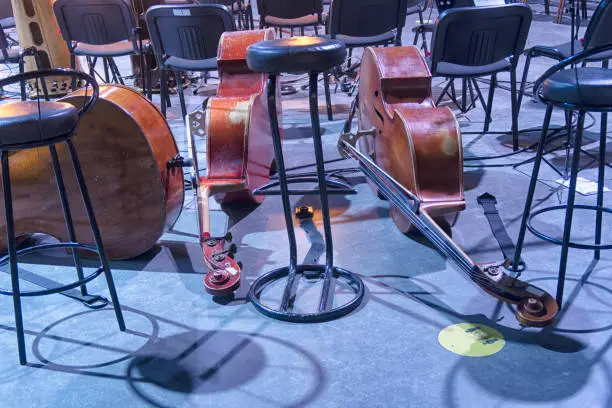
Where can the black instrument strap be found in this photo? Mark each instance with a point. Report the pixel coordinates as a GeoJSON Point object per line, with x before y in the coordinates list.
{"type": "Point", "coordinates": [487, 202]}
{"type": "Point", "coordinates": [90, 301]}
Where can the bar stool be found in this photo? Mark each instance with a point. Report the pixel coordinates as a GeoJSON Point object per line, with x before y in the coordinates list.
{"type": "Point", "coordinates": [295, 55]}
{"type": "Point", "coordinates": [585, 90]}
{"type": "Point", "coordinates": [31, 124]}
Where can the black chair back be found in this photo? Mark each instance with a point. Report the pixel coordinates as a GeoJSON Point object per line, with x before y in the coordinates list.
{"type": "Point", "coordinates": [96, 22]}
{"type": "Point", "coordinates": [366, 18]}
{"type": "Point", "coordinates": [476, 36]}
{"type": "Point", "coordinates": [289, 9]}
{"type": "Point", "coordinates": [6, 9]}
{"type": "Point", "coordinates": [190, 32]}
{"type": "Point", "coordinates": [599, 30]}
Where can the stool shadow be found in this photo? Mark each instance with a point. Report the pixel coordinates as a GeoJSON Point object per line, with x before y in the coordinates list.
{"type": "Point", "coordinates": [193, 362]}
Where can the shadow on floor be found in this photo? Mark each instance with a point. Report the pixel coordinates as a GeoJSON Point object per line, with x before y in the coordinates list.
{"type": "Point", "coordinates": [192, 363]}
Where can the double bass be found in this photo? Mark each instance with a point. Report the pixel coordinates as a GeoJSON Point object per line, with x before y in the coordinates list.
{"type": "Point", "coordinates": [411, 151]}
{"type": "Point", "coordinates": [126, 149]}
{"type": "Point", "coordinates": [239, 150]}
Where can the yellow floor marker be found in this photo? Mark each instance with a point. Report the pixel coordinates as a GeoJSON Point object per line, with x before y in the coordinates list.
{"type": "Point", "coordinates": [471, 340]}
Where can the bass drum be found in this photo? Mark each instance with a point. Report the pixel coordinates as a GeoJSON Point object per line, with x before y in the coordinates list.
{"type": "Point", "coordinates": [124, 146]}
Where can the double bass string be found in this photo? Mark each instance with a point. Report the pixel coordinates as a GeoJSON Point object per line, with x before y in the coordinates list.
{"type": "Point", "coordinates": [394, 193]}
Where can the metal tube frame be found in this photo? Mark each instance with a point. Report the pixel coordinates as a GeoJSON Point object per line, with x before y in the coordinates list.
{"type": "Point", "coordinates": [13, 254]}
{"type": "Point", "coordinates": [326, 311]}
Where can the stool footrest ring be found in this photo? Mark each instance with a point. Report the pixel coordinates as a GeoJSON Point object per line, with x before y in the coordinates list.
{"type": "Point", "coordinates": [335, 187]}
{"type": "Point", "coordinates": [354, 281]}
{"type": "Point", "coordinates": [37, 248]}
{"type": "Point", "coordinates": [558, 241]}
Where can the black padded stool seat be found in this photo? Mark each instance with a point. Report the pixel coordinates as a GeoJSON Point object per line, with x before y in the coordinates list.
{"type": "Point", "coordinates": [579, 86]}
{"type": "Point", "coordinates": [20, 122]}
{"type": "Point", "coordinates": [295, 54]}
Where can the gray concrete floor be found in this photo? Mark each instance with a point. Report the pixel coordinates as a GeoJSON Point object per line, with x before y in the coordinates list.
{"type": "Point", "coordinates": [185, 349]}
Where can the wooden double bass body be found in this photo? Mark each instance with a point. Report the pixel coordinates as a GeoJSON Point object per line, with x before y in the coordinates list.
{"type": "Point", "coordinates": [124, 146]}
{"type": "Point", "coordinates": [417, 143]}
{"type": "Point", "coordinates": [411, 152]}
{"type": "Point", "coordinates": [239, 150]}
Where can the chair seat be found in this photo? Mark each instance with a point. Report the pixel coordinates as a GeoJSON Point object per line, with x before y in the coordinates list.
{"type": "Point", "coordinates": [8, 22]}
{"type": "Point", "coordinates": [353, 42]}
{"type": "Point", "coordinates": [185, 64]}
{"type": "Point", "coordinates": [308, 20]}
{"type": "Point", "coordinates": [117, 49]}
{"type": "Point", "coordinates": [580, 86]}
{"type": "Point", "coordinates": [21, 123]}
{"type": "Point", "coordinates": [295, 54]}
{"type": "Point", "coordinates": [563, 51]}
{"type": "Point", "coordinates": [449, 69]}
{"type": "Point", "coordinates": [12, 54]}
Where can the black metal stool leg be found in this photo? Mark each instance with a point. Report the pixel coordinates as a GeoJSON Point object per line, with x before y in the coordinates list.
{"type": "Point", "coordinates": [463, 95]}
{"type": "Point", "coordinates": [72, 66]}
{"type": "Point", "coordinates": [106, 73]}
{"type": "Point", "coordinates": [179, 88]}
{"type": "Point", "coordinates": [328, 105]}
{"type": "Point", "coordinates": [320, 164]}
{"type": "Point", "coordinates": [163, 90]}
{"type": "Point", "coordinates": [115, 70]}
{"type": "Point", "coordinates": [514, 108]}
{"type": "Point", "coordinates": [282, 176]}
{"type": "Point", "coordinates": [12, 253]}
{"type": "Point", "coordinates": [489, 106]}
{"type": "Point", "coordinates": [568, 143]}
{"type": "Point", "coordinates": [96, 233]}
{"type": "Point", "coordinates": [532, 187]}
{"type": "Point", "coordinates": [523, 82]}
{"type": "Point", "coordinates": [600, 181]}
{"type": "Point", "coordinates": [22, 85]}
{"type": "Point", "coordinates": [43, 84]}
{"type": "Point", "coordinates": [570, 208]}
{"type": "Point", "coordinates": [61, 189]}
{"type": "Point", "coordinates": [482, 102]}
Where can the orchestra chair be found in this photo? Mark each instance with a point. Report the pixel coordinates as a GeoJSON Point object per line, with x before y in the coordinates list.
{"type": "Point", "coordinates": [584, 89]}
{"type": "Point", "coordinates": [241, 10]}
{"type": "Point", "coordinates": [367, 23]}
{"type": "Point", "coordinates": [364, 23]}
{"type": "Point", "coordinates": [43, 123]}
{"type": "Point", "coordinates": [291, 14]}
{"type": "Point", "coordinates": [474, 42]}
{"type": "Point", "coordinates": [597, 33]}
{"type": "Point", "coordinates": [418, 7]}
{"type": "Point", "coordinates": [313, 55]}
{"type": "Point", "coordinates": [15, 55]}
{"type": "Point", "coordinates": [100, 29]}
{"type": "Point", "coordinates": [186, 38]}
